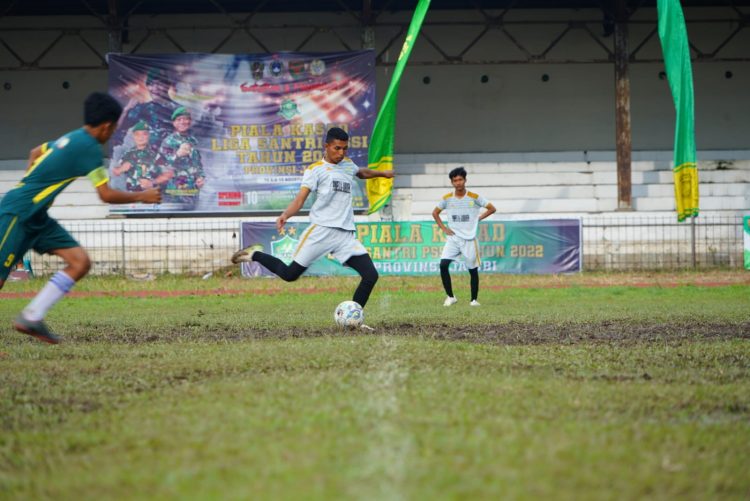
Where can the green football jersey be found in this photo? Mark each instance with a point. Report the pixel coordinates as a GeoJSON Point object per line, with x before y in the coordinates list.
{"type": "Point", "coordinates": [74, 155]}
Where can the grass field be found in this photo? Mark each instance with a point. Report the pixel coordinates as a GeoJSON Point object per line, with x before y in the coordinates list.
{"type": "Point", "coordinates": [585, 387]}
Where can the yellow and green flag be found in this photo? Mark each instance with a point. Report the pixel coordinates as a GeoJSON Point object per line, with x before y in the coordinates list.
{"type": "Point", "coordinates": [380, 156]}
{"type": "Point", "coordinates": [674, 43]}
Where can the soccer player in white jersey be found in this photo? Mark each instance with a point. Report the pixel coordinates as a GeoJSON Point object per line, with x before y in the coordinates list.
{"type": "Point", "coordinates": [331, 217]}
{"type": "Point", "coordinates": [463, 208]}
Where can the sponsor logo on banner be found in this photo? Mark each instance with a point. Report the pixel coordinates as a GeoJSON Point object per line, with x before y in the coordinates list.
{"type": "Point", "coordinates": [284, 248]}
{"type": "Point", "coordinates": [317, 67]}
{"type": "Point", "coordinates": [296, 69]}
{"type": "Point", "coordinates": [288, 109]}
{"type": "Point", "coordinates": [229, 198]}
{"type": "Point", "coordinates": [277, 68]}
{"type": "Point", "coordinates": [283, 87]}
{"type": "Point", "coordinates": [257, 70]}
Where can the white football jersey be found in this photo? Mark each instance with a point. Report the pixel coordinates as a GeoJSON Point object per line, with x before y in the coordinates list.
{"type": "Point", "coordinates": [332, 185]}
{"type": "Point", "coordinates": [463, 213]}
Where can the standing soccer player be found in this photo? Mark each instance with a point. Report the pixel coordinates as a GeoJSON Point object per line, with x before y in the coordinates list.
{"type": "Point", "coordinates": [463, 209]}
{"type": "Point", "coordinates": [25, 223]}
{"type": "Point", "coordinates": [331, 217]}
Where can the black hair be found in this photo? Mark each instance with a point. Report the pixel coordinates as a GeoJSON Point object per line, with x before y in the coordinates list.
{"type": "Point", "coordinates": [458, 171]}
{"type": "Point", "coordinates": [336, 133]}
{"type": "Point", "coordinates": [99, 108]}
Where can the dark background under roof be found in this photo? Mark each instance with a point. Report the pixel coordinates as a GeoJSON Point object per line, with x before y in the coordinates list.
{"type": "Point", "coordinates": [87, 7]}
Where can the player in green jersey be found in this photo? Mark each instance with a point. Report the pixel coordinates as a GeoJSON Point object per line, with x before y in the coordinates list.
{"type": "Point", "coordinates": [25, 223]}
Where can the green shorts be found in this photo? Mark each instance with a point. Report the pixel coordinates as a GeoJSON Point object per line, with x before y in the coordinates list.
{"type": "Point", "coordinates": [17, 237]}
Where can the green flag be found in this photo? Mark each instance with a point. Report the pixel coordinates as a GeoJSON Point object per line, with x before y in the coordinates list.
{"type": "Point", "coordinates": [674, 43]}
{"type": "Point", "coordinates": [380, 156]}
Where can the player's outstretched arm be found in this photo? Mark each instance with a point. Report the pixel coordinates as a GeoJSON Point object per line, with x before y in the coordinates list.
{"type": "Point", "coordinates": [490, 211]}
{"type": "Point", "coordinates": [112, 196]}
{"type": "Point", "coordinates": [365, 173]}
{"type": "Point", "coordinates": [293, 207]}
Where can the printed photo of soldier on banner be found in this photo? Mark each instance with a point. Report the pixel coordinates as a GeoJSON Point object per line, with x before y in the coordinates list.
{"type": "Point", "coordinates": [235, 133]}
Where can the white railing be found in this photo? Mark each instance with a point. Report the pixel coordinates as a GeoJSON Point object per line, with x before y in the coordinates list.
{"type": "Point", "coordinates": [143, 246]}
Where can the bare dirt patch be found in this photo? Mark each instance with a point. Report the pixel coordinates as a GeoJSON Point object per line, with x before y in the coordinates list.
{"type": "Point", "coordinates": [510, 333]}
{"type": "Point", "coordinates": [614, 332]}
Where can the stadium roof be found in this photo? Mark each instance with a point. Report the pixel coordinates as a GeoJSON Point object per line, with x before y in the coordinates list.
{"type": "Point", "coordinates": [151, 7]}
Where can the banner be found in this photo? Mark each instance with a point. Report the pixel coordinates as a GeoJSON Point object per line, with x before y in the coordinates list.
{"type": "Point", "coordinates": [234, 133]}
{"type": "Point", "coordinates": [746, 226]}
{"type": "Point", "coordinates": [676, 49]}
{"type": "Point", "coordinates": [414, 248]}
{"type": "Point", "coordinates": [379, 189]}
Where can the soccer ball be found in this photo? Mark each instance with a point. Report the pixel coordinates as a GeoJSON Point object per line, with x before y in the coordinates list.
{"type": "Point", "coordinates": [349, 315]}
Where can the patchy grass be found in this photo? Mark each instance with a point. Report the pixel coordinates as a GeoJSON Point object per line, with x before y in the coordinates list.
{"type": "Point", "coordinates": [219, 282]}
{"type": "Point", "coordinates": [578, 392]}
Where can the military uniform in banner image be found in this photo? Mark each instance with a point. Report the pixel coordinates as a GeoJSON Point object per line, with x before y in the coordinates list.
{"type": "Point", "coordinates": [182, 162]}
{"type": "Point", "coordinates": [139, 167]}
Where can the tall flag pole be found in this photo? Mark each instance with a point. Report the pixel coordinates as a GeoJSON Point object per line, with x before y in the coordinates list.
{"type": "Point", "coordinates": [674, 43]}
{"type": "Point", "coordinates": [380, 155]}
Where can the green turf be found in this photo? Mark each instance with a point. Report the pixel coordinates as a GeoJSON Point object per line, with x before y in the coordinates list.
{"type": "Point", "coordinates": [257, 396]}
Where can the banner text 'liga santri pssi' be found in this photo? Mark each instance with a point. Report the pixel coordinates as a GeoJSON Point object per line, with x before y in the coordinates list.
{"type": "Point", "coordinates": [415, 247]}
{"type": "Point", "coordinates": [224, 133]}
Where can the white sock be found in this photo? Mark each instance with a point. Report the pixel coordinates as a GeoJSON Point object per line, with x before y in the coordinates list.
{"type": "Point", "coordinates": [56, 288]}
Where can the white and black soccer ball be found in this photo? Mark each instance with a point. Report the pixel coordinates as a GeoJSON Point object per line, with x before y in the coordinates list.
{"type": "Point", "coordinates": [349, 315]}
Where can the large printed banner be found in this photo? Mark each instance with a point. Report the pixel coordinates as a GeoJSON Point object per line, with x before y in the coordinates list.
{"type": "Point", "coordinates": [746, 226]}
{"type": "Point", "coordinates": [414, 248]}
{"type": "Point", "coordinates": [234, 133]}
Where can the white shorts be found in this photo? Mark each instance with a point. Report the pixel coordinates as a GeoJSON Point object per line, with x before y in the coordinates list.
{"type": "Point", "coordinates": [456, 247]}
{"type": "Point", "coordinates": [317, 241]}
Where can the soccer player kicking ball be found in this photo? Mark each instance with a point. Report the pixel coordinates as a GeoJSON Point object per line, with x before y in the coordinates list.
{"type": "Point", "coordinates": [331, 227]}
{"type": "Point", "coordinates": [25, 224]}
{"type": "Point", "coordinates": [463, 218]}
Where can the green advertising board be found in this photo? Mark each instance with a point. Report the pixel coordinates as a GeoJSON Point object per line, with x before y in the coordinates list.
{"type": "Point", "coordinates": [746, 239]}
{"type": "Point", "coordinates": [414, 248]}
